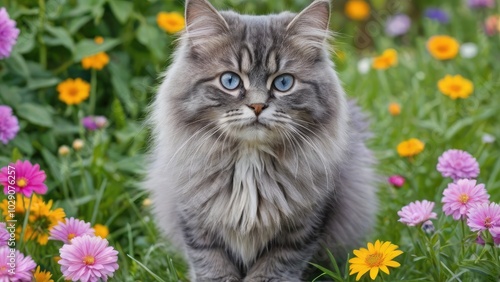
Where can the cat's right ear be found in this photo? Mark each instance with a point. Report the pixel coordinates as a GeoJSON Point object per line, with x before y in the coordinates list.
{"type": "Point", "coordinates": [203, 22]}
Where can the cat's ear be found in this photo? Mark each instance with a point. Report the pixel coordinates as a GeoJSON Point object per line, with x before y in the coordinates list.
{"type": "Point", "coordinates": [203, 22]}
{"type": "Point", "coordinates": [312, 23]}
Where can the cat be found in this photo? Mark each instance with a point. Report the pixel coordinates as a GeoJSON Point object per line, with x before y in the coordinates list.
{"type": "Point", "coordinates": [258, 162]}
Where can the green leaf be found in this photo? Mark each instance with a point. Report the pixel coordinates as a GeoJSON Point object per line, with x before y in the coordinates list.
{"type": "Point", "coordinates": [53, 164]}
{"type": "Point", "coordinates": [121, 9]}
{"type": "Point", "coordinates": [9, 95]}
{"type": "Point", "coordinates": [22, 141]}
{"type": "Point", "coordinates": [37, 83]}
{"type": "Point", "coordinates": [87, 47]}
{"type": "Point", "coordinates": [16, 63]}
{"type": "Point", "coordinates": [36, 114]}
{"type": "Point", "coordinates": [60, 37]}
{"type": "Point", "coordinates": [75, 24]}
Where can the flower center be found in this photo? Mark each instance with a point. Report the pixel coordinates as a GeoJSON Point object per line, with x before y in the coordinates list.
{"type": "Point", "coordinates": [487, 222]}
{"type": "Point", "coordinates": [22, 182]}
{"type": "Point", "coordinates": [455, 88]}
{"type": "Point", "coordinates": [71, 236]}
{"type": "Point", "coordinates": [374, 260]}
{"type": "Point", "coordinates": [88, 260]}
{"type": "Point", "coordinates": [443, 48]}
{"type": "Point", "coordinates": [73, 92]}
{"type": "Point", "coordinates": [464, 198]}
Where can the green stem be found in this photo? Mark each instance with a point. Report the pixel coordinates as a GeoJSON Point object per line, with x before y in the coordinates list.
{"type": "Point", "coordinates": [93, 85]}
{"type": "Point", "coordinates": [462, 245]}
{"type": "Point", "coordinates": [25, 223]}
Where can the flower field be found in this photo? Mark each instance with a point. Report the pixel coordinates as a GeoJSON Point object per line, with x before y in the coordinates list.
{"type": "Point", "coordinates": [76, 79]}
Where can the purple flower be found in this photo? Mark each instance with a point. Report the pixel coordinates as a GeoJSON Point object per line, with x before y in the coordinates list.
{"type": "Point", "coordinates": [69, 229]}
{"type": "Point", "coordinates": [428, 227]}
{"type": "Point", "coordinates": [458, 164]}
{"type": "Point", "coordinates": [94, 122]}
{"type": "Point", "coordinates": [397, 25]}
{"type": "Point", "coordinates": [484, 216]}
{"type": "Point", "coordinates": [438, 15]}
{"type": "Point", "coordinates": [24, 266]}
{"type": "Point", "coordinates": [481, 3]}
{"type": "Point", "coordinates": [88, 259]}
{"type": "Point", "coordinates": [396, 181]}
{"type": "Point", "coordinates": [9, 126]}
{"type": "Point", "coordinates": [417, 212]}
{"type": "Point", "coordinates": [461, 196]}
{"type": "Point", "coordinates": [8, 34]}
{"type": "Point", "coordinates": [4, 234]}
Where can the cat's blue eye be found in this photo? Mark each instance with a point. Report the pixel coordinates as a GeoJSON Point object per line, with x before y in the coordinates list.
{"type": "Point", "coordinates": [230, 80]}
{"type": "Point", "coordinates": [283, 82]}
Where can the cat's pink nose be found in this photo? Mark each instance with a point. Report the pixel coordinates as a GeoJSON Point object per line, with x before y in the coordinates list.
{"type": "Point", "coordinates": [257, 107]}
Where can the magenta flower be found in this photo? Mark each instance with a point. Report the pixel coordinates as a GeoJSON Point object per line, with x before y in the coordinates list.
{"type": "Point", "coordinates": [396, 180]}
{"type": "Point", "coordinates": [461, 196]}
{"type": "Point", "coordinates": [4, 234]}
{"type": "Point", "coordinates": [24, 266]}
{"type": "Point", "coordinates": [481, 3]}
{"type": "Point", "coordinates": [69, 229]}
{"type": "Point", "coordinates": [458, 164]}
{"type": "Point", "coordinates": [484, 216]}
{"type": "Point", "coordinates": [417, 212]}
{"type": "Point", "coordinates": [397, 25]}
{"type": "Point", "coordinates": [88, 259]}
{"type": "Point", "coordinates": [8, 34]}
{"type": "Point", "coordinates": [9, 126]}
{"type": "Point", "coordinates": [94, 122]}
{"type": "Point", "coordinates": [24, 177]}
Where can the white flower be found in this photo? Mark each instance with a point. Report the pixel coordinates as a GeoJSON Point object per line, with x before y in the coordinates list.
{"type": "Point", "coordinates": [364, 65]}
{"type": "Point", "coordinates": [468, 50]}
{"type": "Point", "coordinates": [488, 138]}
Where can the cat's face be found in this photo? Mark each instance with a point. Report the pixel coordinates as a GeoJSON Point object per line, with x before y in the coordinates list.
{"type": "Point", "coordinates": [264, 79]}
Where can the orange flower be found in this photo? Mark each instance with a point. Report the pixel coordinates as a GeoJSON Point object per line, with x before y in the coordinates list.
{"type": "Point", "coordinates": [98, 40]}
{"type": "Point", "coordinates": [410, 147]}
{"type": "Point", "coordinates": [97, 61]}
{"type": "Point", "coordinates": [170, 22]}
{"type": "Point", "coordinates": [101, 230]}
{"type": "Point", "coordinates": [456, 86]}
{"type": "Point", "coordinates": [388, 59]}
{"type": "Point", "coordinates": [443, 47]}
{"type": "Point", "coordinates": [73, 91]}
{"type": "Point", "coordinates": [357, 10]}
{"type": "Point", "coordinates": [394, 109]}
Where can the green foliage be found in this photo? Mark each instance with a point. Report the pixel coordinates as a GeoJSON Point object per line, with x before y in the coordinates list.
{"type": "Point", "coordinates": [101, 182]}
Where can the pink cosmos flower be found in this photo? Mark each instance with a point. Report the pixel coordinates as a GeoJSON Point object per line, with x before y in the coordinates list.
{"type": "Point", "coordinates": [88, 259]}
{"type": "Point", "coordinates": [23, 268]}
{"type": "Point", "coordinates": [9, 125]}
{"type": "Point", "coordinates": [8, 34]}
{"type": "Point", "coordinates": [4, 234]}
{"type": "Point", "coordinates": [396, 180]}
{"type": "Point", "coordinates": [458, 164]}
{"type": "Point", "coordinates": [417, 212]}
{"type": "Point", "coordinates": [461, 196]}
{"type": "Point", "coordinates": [484, 216]}
{"type": "Point", "coordinates": [24, 177]}
{"type": "Point", "coordinates": [69, 229]}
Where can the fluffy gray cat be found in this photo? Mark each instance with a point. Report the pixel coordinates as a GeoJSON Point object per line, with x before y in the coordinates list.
{"type": "Point", "coordinates": [258, 164]}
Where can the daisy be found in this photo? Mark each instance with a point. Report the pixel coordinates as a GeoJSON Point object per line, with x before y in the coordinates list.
{"type": "Point", "coordinates": [24, 266]}
{"type": "Point", "coordinates": [484, 216]}
{"type": "Point", "coordinates": [377, 257]}
{"type": "Point", "coordinates": [458, 164]}
{"type": "Point", "coordinates": [26, 178]}
{"type": "Point", "coordinates": [69, 229]}
{"type": "Point", "coordinates": [461, 196]}
{"type": "Point", "coordinates": [417, 212]}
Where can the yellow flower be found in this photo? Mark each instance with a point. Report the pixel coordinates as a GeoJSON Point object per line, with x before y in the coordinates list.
{"type": "Point", "coordinates": [394, 109]}
{"type": "Point", "coordinates": [410, 147]}
{"type": "Point", "coordinates": [456, 86]}
{"type": "Point", "coordinates": [98, 40]}
{"type": "Point", "coordinates": [101, 231]}
{"type": "Point", "coordinates": [376, 257]}
{"type": "Point", "coordinates": [388, 59]}
{"type": "Point", "coordinates": [357, 10]}
{"type": "Point", "coordinates": [170, 22]}
{"type": "Point", "coordinates": [73, 91]}
{"type": "Point", "coordinates": [97, 61]}
{"type": "Point", "coordinates": [42, 276]}
{"type": "Point", "coordinates": [443, 47]}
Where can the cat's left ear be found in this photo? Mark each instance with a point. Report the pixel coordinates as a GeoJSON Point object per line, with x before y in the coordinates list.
{"type": "Point", "coordinates": [312, 23]}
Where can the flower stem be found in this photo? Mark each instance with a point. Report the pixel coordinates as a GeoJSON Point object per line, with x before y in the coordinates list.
{"type": "Point", "coordinates": [43, 48]}
{"type": "Point", "coordinates": [25, 223]}
{"type": "Point", "coordinates": [93, 85]}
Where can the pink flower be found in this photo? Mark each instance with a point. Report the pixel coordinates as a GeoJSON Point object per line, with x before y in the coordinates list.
{"type": "Point", "coordinates": [417, 212]}
{"type": "Point", "coordinates": [88, 259]}
{"type": "Point", "coordinates": [458, 164]}
{"type": "Point", "coordinates": [4, 234]}
{"type": "Point", "coordinates": [24, 177]}
{"type": "Point", "coordinates": [484, 216]}
{"type": "Point", "coordinates": [8, 34]}
{"type": "Point", "coordinates": [396, 181]}
{"type": "Point", "coordinates": [94, 122]}
{"type": "Point", "coordinates": [9, 125]}
{"type": "Point", "coordinates": [461, 196]}
{"type": "Point", "coordinates": [69, 229]}
{"type": "Point", "coordinates": [23, 269]}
